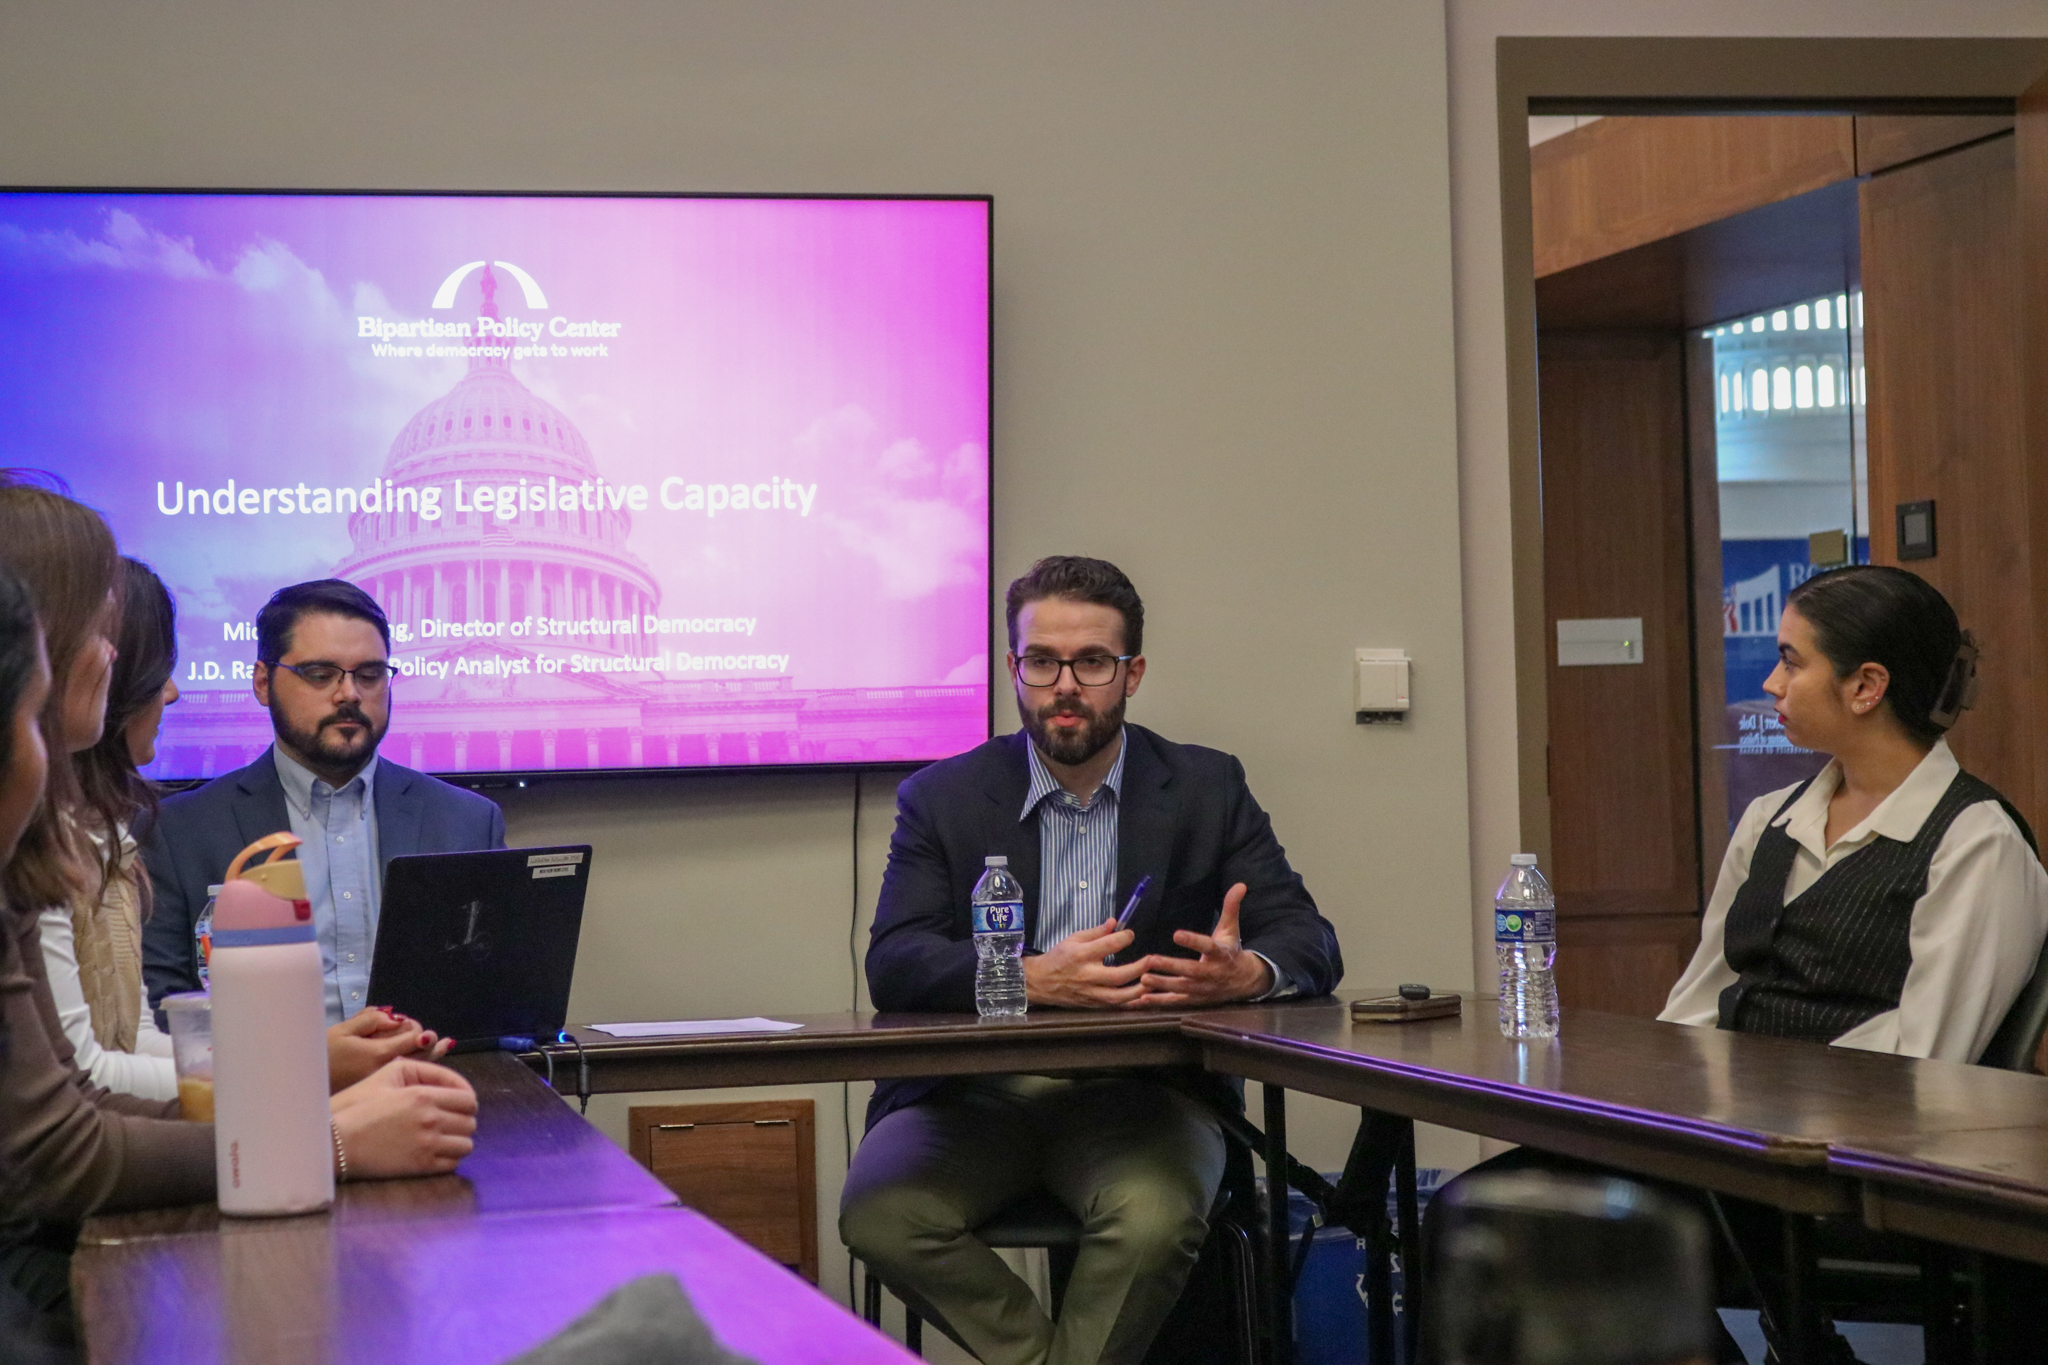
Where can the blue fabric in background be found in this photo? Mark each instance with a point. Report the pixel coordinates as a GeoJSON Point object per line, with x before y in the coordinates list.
{"type": "Point", "coordinates": [1329, 1299]}
{"type": "Point", "coordinates": [1750, 658]}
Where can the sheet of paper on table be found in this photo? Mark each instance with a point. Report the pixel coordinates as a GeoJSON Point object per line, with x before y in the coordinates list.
{"type": "Point", "coordinates": [686, 1028]}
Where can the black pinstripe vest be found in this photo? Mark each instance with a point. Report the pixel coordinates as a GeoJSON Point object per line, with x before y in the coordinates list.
{"type": "Point", "coordinates": [1838, 954]}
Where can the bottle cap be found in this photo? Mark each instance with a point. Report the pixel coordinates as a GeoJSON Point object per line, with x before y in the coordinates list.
{"type": "Point", "coordinates": [286, 879]}
{"type": "Point", "coordinates": [1523, 860]}
{"type": "Point", "coordinates": [996, 860]}
{"type": "Point", "coordinates": [248, 905]}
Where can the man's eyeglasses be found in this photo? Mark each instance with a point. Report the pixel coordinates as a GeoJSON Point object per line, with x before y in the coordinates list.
{"type": "Point", "coordinates": [1090, 670]}
{"type": "Point", "coordinates": [370, 677]}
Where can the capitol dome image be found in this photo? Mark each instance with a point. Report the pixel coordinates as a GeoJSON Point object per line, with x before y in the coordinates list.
{"type": "Point", "coordinates": [488, 577]}
{"type": "Point", "coordinates": [486, 611]}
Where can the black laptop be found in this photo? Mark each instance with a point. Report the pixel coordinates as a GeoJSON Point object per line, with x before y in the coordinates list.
{"type": "Point", "coordinates": [481, 947]}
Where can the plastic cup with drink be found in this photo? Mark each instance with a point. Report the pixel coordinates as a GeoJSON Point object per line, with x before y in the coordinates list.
{"type": "Point", "coordinates": [191, 1019]}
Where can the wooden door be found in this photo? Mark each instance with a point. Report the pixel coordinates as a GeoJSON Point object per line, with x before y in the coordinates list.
{"type": "Point", "coordinates": [1946, 386]}
{"type": "Point", "coordinates": [1623, 790]}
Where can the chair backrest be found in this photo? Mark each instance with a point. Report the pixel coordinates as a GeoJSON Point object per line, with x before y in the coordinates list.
{"type": "Point", "coordinates": [2019, 1034]}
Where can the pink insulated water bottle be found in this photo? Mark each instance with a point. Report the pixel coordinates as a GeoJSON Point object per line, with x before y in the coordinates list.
{"type": "Point", "coordinates": [273, 1147]}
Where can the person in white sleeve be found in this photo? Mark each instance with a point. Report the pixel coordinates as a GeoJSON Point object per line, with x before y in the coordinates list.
{"type": "Point", "coordinates": [1894, 902]}
{"type": "Point", "coordinates": [92, 946]}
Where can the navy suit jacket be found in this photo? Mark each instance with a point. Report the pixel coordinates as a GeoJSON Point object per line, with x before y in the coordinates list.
{"type": "Point", "coordinates": [1185, 817]}
{"type": "Point", "coordinates": [189, 845]}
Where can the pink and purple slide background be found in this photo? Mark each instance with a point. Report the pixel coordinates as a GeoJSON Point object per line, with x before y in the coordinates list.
{"type": "Point", "coordinates": [840, 343]}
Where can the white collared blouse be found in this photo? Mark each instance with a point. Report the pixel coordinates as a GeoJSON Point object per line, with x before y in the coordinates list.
{"type": "Point", "coordinates": [1977, 930]}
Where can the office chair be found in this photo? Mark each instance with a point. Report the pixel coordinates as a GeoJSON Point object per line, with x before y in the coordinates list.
{"type": "Point", "coordinates": [2012, 1048]}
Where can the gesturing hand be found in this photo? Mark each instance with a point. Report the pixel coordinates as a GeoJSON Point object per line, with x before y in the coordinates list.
{"type": "Point", "coordinates": [1072, 973]}
{"type": "Point", "coordinates": [360, 1045]}
{"type": "Point", "coordinates": [1225, 970]}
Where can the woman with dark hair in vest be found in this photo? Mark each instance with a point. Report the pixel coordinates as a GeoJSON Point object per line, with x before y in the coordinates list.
{"type": "Point", "coordinates": [1893, 903]}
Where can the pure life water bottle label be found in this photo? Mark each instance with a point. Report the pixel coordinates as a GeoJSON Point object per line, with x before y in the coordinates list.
{"type": "Point", "coordinates": [999, 917]}
{"type": "Point", "coordinates": [1524, 926]}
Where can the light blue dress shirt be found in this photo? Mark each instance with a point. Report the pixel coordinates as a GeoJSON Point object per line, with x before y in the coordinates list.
{"type": "Point", "coordinates": [338, 830]}
{"type": "Point", "coordinates": [1077, 862]}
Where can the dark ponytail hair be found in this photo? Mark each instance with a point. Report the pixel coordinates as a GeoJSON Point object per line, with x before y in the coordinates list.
{"type": "Point", "coordinates": [1876, 614]}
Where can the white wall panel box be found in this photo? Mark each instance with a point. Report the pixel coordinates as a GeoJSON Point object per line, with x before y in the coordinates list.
{"type": "Point", "coordinates": [1602, 640]}
{"type": "Point", "coordinates": [1381, 685]}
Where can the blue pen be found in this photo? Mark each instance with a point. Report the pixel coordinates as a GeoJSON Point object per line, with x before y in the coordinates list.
{"type": "Point", "coordinates": [1137, 894]}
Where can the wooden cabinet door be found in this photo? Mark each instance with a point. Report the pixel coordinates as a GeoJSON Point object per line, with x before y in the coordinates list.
{"type": "Point", "coordinates": [750, 1168]}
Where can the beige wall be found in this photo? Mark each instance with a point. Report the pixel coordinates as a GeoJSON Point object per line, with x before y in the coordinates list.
{"type": "Point", "coordinates": [1224, 359]}
{"type": "Point", "coordinates": [1473, 27]}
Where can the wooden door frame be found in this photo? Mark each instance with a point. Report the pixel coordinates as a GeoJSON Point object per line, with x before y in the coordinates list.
{"type": "Point", "coordinates": [1724, 75]}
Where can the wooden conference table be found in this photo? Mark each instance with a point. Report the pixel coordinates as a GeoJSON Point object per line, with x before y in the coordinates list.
{"type": "Point", "coordinates": [542, 1220]}
{"type": "Point", "coordinates": [547, 1215]}
{"type": "Point", "coordinates": [1956, 1154]}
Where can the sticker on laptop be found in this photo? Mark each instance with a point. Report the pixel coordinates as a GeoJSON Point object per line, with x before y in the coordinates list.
{"type": "Point", "coordinates": [551, 859]}
{"type": "Point", "coordinates": [558, 870]}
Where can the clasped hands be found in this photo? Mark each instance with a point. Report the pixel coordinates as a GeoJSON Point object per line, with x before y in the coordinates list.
{"type": "Point", "coordinates": [1074, 973]}
{"type": "Point", "coordinates": [364, 1042]}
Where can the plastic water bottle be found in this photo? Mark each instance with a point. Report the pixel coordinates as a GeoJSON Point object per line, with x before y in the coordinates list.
{"type": "Point", "coordinates": [1525, 943]}
{"type": "Point", "coordinates": [202, 935]}
{"type": "Point", "coordinates": [998, 941]}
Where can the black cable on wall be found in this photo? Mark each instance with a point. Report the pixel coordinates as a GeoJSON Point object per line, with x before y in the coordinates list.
{"type": "Point", "coordinates": [853, 1003]}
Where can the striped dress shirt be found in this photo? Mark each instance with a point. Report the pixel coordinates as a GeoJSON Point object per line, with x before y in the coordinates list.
{"type": "Point", "coordinates": [1076, 851]}
{"type": "Point", "coordinates": [1077, 858]}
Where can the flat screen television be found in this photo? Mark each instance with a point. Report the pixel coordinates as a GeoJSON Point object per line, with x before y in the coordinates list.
{"type": "Point", "coordinates": [643, 482]}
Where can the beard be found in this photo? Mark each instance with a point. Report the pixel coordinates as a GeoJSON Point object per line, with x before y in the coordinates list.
{"type": "Point", "coordinates": [323, 745]}
{"type": "Point", "coordinates": [1072, 747]}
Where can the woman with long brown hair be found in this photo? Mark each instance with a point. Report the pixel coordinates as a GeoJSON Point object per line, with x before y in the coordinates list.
{"type": "Point", "coordinates": [68, 1147]}
{"type": "Point", "coordinates": [92, 947]}
{"type": "Point", "coordinates": [65, 554]}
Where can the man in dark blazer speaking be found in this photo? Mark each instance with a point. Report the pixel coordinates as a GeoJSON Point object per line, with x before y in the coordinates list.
{"type": "Point", "coordinates": [323, 669]}
{"type": "Point", "coordinates": [1085, 807]}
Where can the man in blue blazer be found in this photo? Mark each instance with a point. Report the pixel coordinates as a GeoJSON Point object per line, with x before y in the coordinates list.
{"type": "Point", "coordinates": [1093, 815]}
{"type": "Point", "coordinates": [323, 670]}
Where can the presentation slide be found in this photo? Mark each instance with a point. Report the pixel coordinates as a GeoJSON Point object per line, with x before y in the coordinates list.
{"type": "Point", "coordinates": [641, 482]}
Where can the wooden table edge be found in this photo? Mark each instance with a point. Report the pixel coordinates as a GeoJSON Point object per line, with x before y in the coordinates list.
{"type": "Point", "coordinates": [1787, 1172]}
{"type": "Point", "coordinates": [641, 1065]}
{"type": "Point", "coordinates": [1788, 1150]}
{"type": "Point", "coordinates": [1892, 1172]}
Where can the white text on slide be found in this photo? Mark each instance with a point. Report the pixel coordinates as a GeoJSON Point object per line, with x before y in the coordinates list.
{"type": "Point", "coordinates": [420, 666]}
{"type": "Point", "coordinates": [493, 500]}
{"type": "Point", "coordinates": [383, 329]}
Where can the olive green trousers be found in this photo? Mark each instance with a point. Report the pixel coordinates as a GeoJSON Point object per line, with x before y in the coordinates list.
{"type": "Point", "coordinates": [1137, 1161]}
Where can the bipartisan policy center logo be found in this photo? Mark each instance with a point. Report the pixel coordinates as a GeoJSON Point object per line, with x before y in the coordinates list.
{"type": "Point", "coordinates": [502, 492]}
{"type": "Point", "coordinates": [491, 336]}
